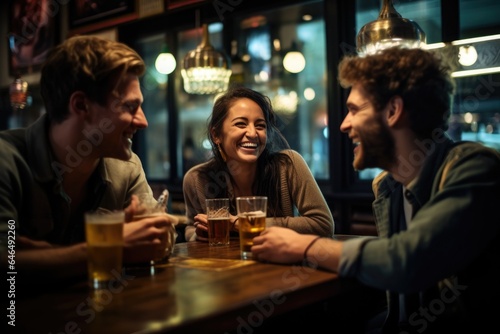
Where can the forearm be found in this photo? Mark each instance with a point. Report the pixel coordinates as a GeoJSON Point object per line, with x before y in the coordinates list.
{"type": "Point", "coordinates": [189, 233]}
{"type": "Point", "coordinates": [314, 215]}
{"type": "Point", "coordinates": [324, 253]}
{"type": "Point", "coordinates": [53, 263]}
{"type": "Point", "coordinates": [316, 224]}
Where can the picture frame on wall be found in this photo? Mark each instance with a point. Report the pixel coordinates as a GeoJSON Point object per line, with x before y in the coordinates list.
{"type": "Point", "coordinates": [90, 15]}
{"type": "Point", "coordinates": [32, 34]}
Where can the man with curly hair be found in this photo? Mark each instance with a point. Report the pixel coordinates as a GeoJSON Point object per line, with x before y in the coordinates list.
{"type": "Point", "coordinates": [438, 244]}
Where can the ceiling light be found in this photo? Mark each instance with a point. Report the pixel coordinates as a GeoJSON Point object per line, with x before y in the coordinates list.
{"type": "Point", "coordinates": [165, 62]}
{"type": "Point", "coordinates": [467, 55]}
{"type": "Point", "coordinates": [389, 29]}
{"type": "Point", "coordinates": [294, 61]}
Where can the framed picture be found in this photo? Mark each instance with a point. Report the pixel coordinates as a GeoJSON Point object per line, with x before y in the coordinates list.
{"type": "Point", "coordinates": [100, 14]}
{"type": "Point", "coordinates": [32, 33]}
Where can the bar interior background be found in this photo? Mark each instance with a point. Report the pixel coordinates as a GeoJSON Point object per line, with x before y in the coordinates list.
{"type": "Point", "coordinates": [256, 36]}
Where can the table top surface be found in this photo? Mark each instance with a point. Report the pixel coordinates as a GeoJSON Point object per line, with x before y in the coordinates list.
{"type": "Point", "coordinates": [200, 287]}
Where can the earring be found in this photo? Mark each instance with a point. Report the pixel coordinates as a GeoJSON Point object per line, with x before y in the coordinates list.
{"type": "Point", "coordinates": [222, 154]}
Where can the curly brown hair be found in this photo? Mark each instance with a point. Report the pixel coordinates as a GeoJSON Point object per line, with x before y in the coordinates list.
{"type": "Point", "coordinates": [421, 78]}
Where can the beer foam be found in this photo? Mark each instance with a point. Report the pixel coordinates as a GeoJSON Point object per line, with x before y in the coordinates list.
{"type": "Point", "coordinates": [258, 213]}
{"type": "Point", "coordinates": [105, 218]}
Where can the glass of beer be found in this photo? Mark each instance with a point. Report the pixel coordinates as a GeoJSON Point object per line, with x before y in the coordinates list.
{"type": "Point", "coordinates": [104, 234]}
{"type": "Point", "coordinates": [252, 220]}
{"type": "Point", "coordinates": [151, 207]}
{"type": "Point", "coordinates": [219, 222]}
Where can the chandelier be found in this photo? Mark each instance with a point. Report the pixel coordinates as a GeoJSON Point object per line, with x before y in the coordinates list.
{"type": "Point", "coordinates": [205, 70]}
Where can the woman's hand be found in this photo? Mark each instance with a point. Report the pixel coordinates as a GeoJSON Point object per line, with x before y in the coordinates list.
{"type": "Point", "coordinates": [201, 225]}
{"type": "Point", "coordinates": [235, 224]}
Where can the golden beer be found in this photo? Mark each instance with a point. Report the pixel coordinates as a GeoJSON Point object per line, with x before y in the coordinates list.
{"type": "Point", "coordinates": [250, 227]}
{"type": "Point", "coordinates": [218, 231]}
{"type": "Point", "coordinates": [104, 234]}
{"type": "Point", "coordinates": [252, 221]}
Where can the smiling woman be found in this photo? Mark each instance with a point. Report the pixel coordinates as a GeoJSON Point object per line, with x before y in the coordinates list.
{"type": "Point", "coordinates": [252, 158]}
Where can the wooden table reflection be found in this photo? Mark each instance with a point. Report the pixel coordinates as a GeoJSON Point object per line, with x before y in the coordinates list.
{"type": "Point", "coordinates": [201, 287]}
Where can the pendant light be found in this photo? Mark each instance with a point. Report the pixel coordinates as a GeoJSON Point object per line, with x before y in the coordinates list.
{"type": "Point", "coordinates": [165, 62]}
{"type": "Point", "coordinates": [294, 61]}
{"type": "Point", "coordinates": [389, 29]}
{"type": "Point", "coordinates": [205, 70]}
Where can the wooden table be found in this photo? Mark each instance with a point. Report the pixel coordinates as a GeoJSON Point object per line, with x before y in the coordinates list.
{"type": "Point", "coordinates": [202, 289]}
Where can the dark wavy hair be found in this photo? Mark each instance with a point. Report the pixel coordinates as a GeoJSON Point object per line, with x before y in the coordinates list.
{"type": "Point", "coordinates": [421, 78]}
{"type": "Point", "coordinates": [267, 182]}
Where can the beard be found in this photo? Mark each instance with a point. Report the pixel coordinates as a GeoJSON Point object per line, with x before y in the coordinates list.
{"type": "Point", "coordinates": [377, 146]}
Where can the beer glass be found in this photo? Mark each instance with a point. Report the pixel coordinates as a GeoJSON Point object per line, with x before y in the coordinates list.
{"type": "Point", "coordinates": [104, 235]}
{"type": "Point", "coordinates": [252, 221]}
{"type": "Point", "coordinates": [219, 222]}
{"type": "Point", "coordinates": [150, 207]}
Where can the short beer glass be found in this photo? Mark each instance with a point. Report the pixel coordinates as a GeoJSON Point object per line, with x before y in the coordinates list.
{"type": "Point", "coordinates": [104, 235]}
{"type": "Point", "coordinates": [219, 222]}
{"type": "Point", "coordinates": [252, 221]}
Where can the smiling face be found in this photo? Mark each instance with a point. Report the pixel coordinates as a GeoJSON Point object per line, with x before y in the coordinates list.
{"type": "Point", "coordinates": [373, 143]}
{"type": "Point", "coordinates": [118, 120]}
{"type": "Point", "coordinates": [244, 132]}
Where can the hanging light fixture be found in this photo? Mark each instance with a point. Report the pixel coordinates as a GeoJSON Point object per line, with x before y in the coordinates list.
{"type": "Point", "coordinates": [205, 70]}
{"type": "Point", "coordinates": [165, 62]}
{"type": "Point", "coordinates": [294, 61]}
{"type": "Point", "coordinates": [389, 29]}
{"type": "Point", "coordinates": [467, 55]}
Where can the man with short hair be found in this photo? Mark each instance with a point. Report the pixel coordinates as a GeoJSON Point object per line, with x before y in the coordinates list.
{"type": "Point", "coordinates": [77, 157]}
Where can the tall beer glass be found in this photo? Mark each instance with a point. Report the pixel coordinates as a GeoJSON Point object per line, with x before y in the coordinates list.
{"type": "Point", "coordinates": [104, 234]}
{"type": "Point", "coordinates": [252, 221]}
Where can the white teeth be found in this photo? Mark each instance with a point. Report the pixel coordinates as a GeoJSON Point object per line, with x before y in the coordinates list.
{"type": "Point", "coordinates": [249, 145]}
